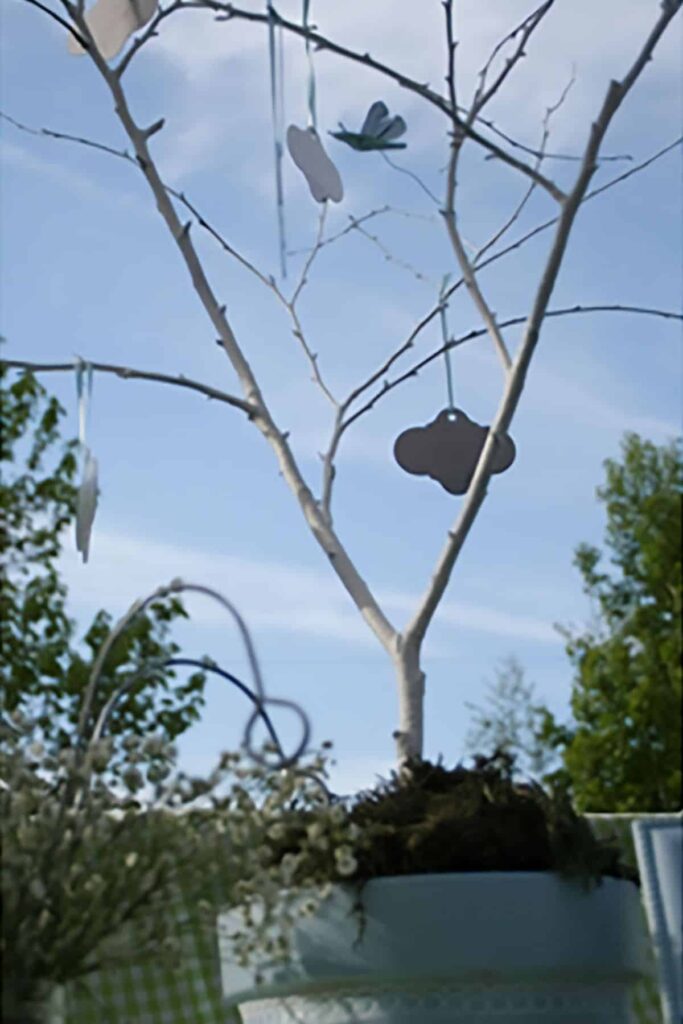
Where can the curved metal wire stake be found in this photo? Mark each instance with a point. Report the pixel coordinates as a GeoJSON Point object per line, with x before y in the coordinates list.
{"type": "Point", "coordinates": [276, 61]}
{"type": "Point", "coordinates": [151, 667]}
{"type": "Point", "coordinates": [283, 760]}
{"type": "Point", "coordinates": [258, 696]}
{"type": "Point", "coordinates": [444, 334]}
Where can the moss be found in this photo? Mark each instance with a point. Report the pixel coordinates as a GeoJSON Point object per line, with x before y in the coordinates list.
{"type": "Point", "coordinates": [430, 819]}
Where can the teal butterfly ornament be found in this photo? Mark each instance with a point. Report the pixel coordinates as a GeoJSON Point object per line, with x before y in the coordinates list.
{"type": "Point", "coordinates": [379, 131]}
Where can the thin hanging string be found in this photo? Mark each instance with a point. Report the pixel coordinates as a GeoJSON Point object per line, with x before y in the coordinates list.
{"type": "Point", "coordinates": [83, 376]}
{"type": "Point", "coordinates": [446, 339]}
{"type": "Point", "coordinates": [312, 117]}
{"type": "Point", "coordinates": [277, 110]}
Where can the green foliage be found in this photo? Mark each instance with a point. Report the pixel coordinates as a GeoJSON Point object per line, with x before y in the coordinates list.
{"type": "Point", "coordinates": [427, 819]}
{"type": "Point", "coordinates": [623, 751]}
{"type": "Point", "coordinates": [92, 870]}
{"type": "Point", "coordinates": [512, 720]}
{"type": "Point", "coordinates": [44, 669]}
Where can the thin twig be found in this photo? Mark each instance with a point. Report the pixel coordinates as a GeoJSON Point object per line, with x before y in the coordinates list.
{"type": "Point", "coordinates": [476, 493]}
{"type": "Point", "coordinates": [458, 137]}
{"type": "Point", "coordinates": [62, 21]}
{"type": "Point", "coordinates": [123, 154]}
{"type": "Point", "coordinates": [144, 37]}
{"type": "Point", "coordinates": [128, 373]}
{"type": "Point", "coordinates": [303, 279]}
{"type": "Point", "coordinates": [228, 12]}
{"type": "Point", "coordinates": [329, 542]}
{"type": "Point", "coordinates": [389, 256]}
{"type": "Point", "coordinates": [517, 212]}
{"type": "Point", "coordinates": [570, 157]}
{"type": "Point", "coordinates": [291, 303]}
{"type": "Point", "coordinates": [265, 279]}
{"type": "Point", "coordinates": [524, 30]}
{"type": "Point", "coordinates": [480, 332]}
{"type": "Point", "coordinates": [353, 221]}
{"type": "Point", "coordinates": [481, 265]}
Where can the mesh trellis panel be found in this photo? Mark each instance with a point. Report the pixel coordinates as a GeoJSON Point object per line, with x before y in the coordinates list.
{"type": "Point", "coordinates": [187, 991]}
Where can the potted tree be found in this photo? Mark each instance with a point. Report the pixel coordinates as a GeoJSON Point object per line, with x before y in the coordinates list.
{"type": "Point", "coordinates": [462, 456]}
{"type": "Point", "coordinates": [443, 895]}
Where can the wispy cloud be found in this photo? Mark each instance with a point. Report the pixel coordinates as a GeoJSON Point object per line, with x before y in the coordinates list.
{"type": "Point", "coordinates": [83, 185]}
{"type": "Point", "coordinates": [204, 52]}
{"type": "Point", "coordinates": [273, 596]}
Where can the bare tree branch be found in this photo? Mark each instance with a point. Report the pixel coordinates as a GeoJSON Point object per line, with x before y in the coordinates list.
{"type": "Point", "coordinates": [434, 312]}
{"type": "Point", "coordinates": [303, 278]}
{"type": "Point", "coordinates": [265, 279]}
{"type": "Point", "coordinates": [469, 277]}
{"type": "Point", "coordinates": [519, 242]}
{"type": "Point", "coordinates": [62, 21]}
{"type": "Point", "coordinates": [354, 222]}
{"type": "Point", "coordinates": [341, 424]}
{"type": "Point", "coordinates": [416, 628]}
{"type": "Point", "coordinates": [150, 31]}
{"type": "Point", "coordinates": [229, 11]}
{"type": "Point", "coordinates": [346, 571]}
{"type": "Point", "coordinates": [404, 649]}
{"type": "Point", "coordinates": [569, 157]}
{"type": "Point", "coordinates": [479, 332]}
{"type": "Point", "coordinates": [524, 30]}
{"type": "Point", "coordinates": [389, 256]}
{"type": "Point", "coordinates": [516, 213]}
{"type": "Point", "coordinates": [480, 99]}
{"type": "Point", "coordinates": [128, 373]}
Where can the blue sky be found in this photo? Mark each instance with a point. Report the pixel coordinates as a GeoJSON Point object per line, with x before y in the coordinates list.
{"type": "Point", "coordinates": [189, 488]}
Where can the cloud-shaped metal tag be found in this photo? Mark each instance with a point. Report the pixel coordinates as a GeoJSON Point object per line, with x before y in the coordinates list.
{"type": "Point", "coordinates": [448, 449]}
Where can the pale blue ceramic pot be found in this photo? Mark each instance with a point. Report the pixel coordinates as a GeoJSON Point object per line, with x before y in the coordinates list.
{"type": "Point", "coordinates": [466, 948]}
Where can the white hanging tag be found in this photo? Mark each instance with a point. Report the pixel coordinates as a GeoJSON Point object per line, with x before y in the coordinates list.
{"type": "Point", "coordinates": [86, 504]}
{"type": "Point", "coordinates": [307, 152]}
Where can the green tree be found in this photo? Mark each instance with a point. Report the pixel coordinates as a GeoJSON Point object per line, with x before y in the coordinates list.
{"type": "Point", "coordinates": [511, 721]}
{"type": "Point", "coordinates": [44, 668]}
{"type": "Point", "coordinates": [621, 749]}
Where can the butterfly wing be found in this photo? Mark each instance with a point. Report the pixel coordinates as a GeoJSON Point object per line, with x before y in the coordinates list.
{"type": "Point", "coordinates": [392, 129]}
{"type": "Point", "coordinates": [377, 113]}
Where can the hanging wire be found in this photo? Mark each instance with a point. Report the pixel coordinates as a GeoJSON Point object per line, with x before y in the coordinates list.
{"type": "Point", "coordinates": [445, 337]}
{"type": "Point", "coordinates": [312, 117]}
{"type": "Point", "coordinates": [276, 60]}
